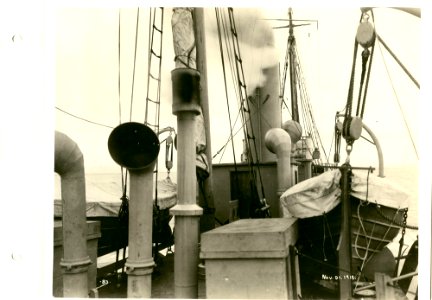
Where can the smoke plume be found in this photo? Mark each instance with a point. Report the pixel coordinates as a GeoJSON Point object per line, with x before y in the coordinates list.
{"type": "Point", "coordinates": [256, 42]}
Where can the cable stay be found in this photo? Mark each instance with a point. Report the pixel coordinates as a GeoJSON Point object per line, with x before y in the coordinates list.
{"type": "Point", "coordinates": [398, 61]}
{"type": "Point", "coordinates": [308, 115]}
{"type": "Point", "coordinates": [253, 161]}
{"type": "Point", "coordinates": [398, 102]}
{"type": "Point", "coordinates": [224, 35]}
{"type": "Point", "coordinates": [83, 119]}
{"type": "Point", "coordinates": [134, 64]}
{"type": "Point", "coordinates": [298, 91]}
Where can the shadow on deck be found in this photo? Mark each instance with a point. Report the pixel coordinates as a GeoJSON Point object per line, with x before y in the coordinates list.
{"type": "Point", "coordinates": [162, 282]}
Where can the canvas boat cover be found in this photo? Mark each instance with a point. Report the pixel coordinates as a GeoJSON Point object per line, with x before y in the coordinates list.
{"type": "Point", "coordinates": [312, 197]}
{"type": "Point", "coordinates": [320, 194]}
{"type": "Point", "coordinates": [380, 190]}
{"type": "Point", "coordinates": [103, 192]}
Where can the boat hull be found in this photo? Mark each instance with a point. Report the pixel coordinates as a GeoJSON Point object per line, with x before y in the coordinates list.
{"type": "Point", "coordinates": [372, 228]}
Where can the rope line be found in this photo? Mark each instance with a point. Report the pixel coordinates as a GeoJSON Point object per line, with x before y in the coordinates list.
{"type": "Point", "coordinates": [134, 65]}
{"type": "Point", "coordinates": [399, 104]}
{"type": "Point", "coordinates": [226, 88]}
{"type": "Point", "coordinates": [83, 119]}
{"type": "Point", "coordinates": [243, 99]}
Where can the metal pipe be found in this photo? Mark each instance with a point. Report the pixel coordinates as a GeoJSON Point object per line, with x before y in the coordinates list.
{"type": "Point", "coordinates": [187, 213]}
{"type": "Point", "coordinates": [139, 264]}
{"type": "Point", "coordinates": [265, 113]}
{"type": "Point", "coordinates": [69, 164]}
{"type": "Point", "coordinates": [136, 147]}
{"type": "Point", "coordinates": [372, 285]}
{"type": "Point", "coordinates": [166, 129]}
{"type": "Point", "coordinates": [345, 274]}
{"type": "Point", "coordinates": [379, 151]}
{"type": "Point", "coordinates": [278, 142]}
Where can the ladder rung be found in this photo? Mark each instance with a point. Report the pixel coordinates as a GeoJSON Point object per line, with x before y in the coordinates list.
{"type": "Point", "coordinates": [157, 29]}
{"type": "Point", "coordinates": [151, 125]}
{"type": "Point", "coordinates": [155, 78]}
{"type": "Point", "coordinates": [151, 100]}
{"type": "Point", "coordinates": [154, 53]}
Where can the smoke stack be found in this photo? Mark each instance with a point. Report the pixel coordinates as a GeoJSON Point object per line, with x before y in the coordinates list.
{"type": "Point", "coordinates": [265, 113]}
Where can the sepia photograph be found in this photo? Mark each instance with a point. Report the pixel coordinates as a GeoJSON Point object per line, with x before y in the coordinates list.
{"type": "Point", "coordinates": [223, 152]}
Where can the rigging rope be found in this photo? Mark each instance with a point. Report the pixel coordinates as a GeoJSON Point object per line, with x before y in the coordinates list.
{"type": "Point", "coordinates": [352, 125]}
{"type": "Point", "coordinates": [398, 61]}
{"type": "Point", "coordinates": [152, 53]}
{"type": "Point", "coordinates": [82, 119]}
{"type": "Point", "coordinates": [399, 105]}
{"type": "Point", "coordinates": [226, 90]}
{"type": "Point", "coordinates": [123, 213]}
{"type": "Point", "coordinates": [134, 65]}
{"type": "Point", "coordinates": [308, 120]}
{"type": "Point", "coordinates": [231, 64]}
{"type": "Point", "coordinates": [154, 125]}
{"type": "Point", "coordinates": [245, 110]}
{"type": "Point", "coordinates": [123, 207]}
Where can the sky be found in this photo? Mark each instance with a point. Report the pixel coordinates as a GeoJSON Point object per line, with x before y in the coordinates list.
{"type": "Point", "coordinates": [87, 74]}
{"type": "Point", "coordinates": [68, 59]}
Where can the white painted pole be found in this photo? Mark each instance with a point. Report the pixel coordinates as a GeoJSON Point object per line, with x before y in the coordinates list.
{"type": "Point", "coordinates": [187, 213]}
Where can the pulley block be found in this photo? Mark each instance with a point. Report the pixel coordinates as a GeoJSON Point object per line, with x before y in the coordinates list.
{"type": "Point", "coordinates": [352, 128]}
{"type": "Point", "coordinates": [365, 34]}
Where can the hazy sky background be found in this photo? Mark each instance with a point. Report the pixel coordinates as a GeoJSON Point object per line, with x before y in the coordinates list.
{"type": "Point", "coordinates": [87, 71]}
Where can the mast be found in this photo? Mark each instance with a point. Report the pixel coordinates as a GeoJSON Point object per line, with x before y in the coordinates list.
{"type": "Point", "coordinates": [293, 81]}
{"type": "Point", "coordinates": [207, 220]}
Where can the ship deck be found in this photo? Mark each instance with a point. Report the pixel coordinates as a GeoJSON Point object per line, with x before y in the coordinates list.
{"type": "Point", "coordinates": [162, 281]}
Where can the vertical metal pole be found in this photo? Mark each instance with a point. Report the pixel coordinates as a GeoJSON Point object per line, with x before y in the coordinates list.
{"type": "Point", "coordinates": [345, 288]}
{"type": "Point", "coordinates": [307, 166]}
{"type": "Point", "coordinates": [201, 65]}
{"type": "Point", "coordinates": [187, 213]}
{"type": "Point", "coordinates": [139, 265]}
